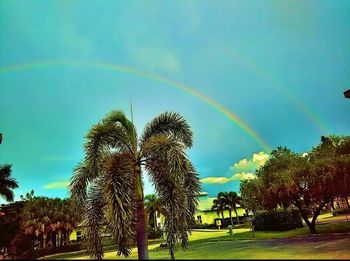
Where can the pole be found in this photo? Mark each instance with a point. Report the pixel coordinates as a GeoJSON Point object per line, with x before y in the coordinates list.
{"type": "Point", "coordinates": [132, 115]}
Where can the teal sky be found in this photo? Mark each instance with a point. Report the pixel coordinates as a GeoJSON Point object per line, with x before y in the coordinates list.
{"type": "Point", "coordinates": [272, 63]}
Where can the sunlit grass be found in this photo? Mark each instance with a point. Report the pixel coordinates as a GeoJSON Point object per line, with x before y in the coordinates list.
{"type": "Point", "coordinates": [216, 244]}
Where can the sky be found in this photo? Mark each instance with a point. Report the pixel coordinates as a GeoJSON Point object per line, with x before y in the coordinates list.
{"type": "Point", "coordinates": [248, 76]}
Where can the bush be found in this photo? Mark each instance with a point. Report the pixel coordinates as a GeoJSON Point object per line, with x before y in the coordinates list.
{"type": "Point", "coordinates": [341, 211]}
{"type": "Point", "coordinates": [49, 251]}
{"type": "Point", "coordinates": [154, 234]}
{"type": "Point", "coordinates": [277, 220]}
{"type": "Point", "coordinates": [204, 226]}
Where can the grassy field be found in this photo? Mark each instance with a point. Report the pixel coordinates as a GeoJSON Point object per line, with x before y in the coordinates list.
{"type": "Point", "coordinates": [216, 244]}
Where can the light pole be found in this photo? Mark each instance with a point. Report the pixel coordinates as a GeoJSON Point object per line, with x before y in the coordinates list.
{"type": "Point", "coordinates": [347, 94]}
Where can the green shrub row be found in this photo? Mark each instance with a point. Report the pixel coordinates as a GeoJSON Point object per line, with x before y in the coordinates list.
{"type": "Point", "coordinates": [277, 220]}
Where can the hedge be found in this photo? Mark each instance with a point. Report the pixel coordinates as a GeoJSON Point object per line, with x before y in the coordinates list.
{"type": "Point", "coordinates": [341, 211]}
{"type": "Point", "coordinates": [50, 251]}
{"type": "Point", "coordinates": [277, 220]}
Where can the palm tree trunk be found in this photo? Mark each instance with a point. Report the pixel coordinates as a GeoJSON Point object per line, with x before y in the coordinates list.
{"type": "Point", "coordinates": [236, 216]}
{"type": "Point", "coordinates": [141, 231]}
{"type": "Point", "coordinates": [44, 240]}
{"type": "Point", "coordinates": [155, 221]}
{"type": "Point", "coordinates": [347, 202]}
{"type": "Point", "coordinates": [230, 213]}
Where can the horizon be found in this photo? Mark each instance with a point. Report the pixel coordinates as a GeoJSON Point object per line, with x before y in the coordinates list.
{"type": "Point", "coordinates": [248, 77]}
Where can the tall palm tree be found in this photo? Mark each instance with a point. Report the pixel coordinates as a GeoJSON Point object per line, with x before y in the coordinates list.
{"type": "Point", "coordinates": [7, 183]}
{"type": "Point", "coordinates": [232, 200]}
{"type": "Point", "coordinates": [109, 180]}
{"type": "Point", "coordinates": [153, 205]}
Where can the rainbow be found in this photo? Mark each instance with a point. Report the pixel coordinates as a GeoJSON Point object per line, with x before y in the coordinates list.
{"type": "Point", "coordinates": [129, 70]}
{"type": "Point", "coordinates": [259, 70]}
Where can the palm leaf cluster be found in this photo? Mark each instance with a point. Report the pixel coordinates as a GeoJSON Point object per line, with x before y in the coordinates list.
{"type": "Point", "coordinates": [7, 183]}
{"type": "Point", "coordinates": [227, 201]}
{"type": "Point", "coordinates": [108, 180]}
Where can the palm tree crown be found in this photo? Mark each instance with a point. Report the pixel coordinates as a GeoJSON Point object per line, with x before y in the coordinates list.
{"type": "Point", "coordinates": [109, 180]}
{"type": "Point", "coordinates": [153, 205]}
{"type": "Point", "coordinates": [7, 183]}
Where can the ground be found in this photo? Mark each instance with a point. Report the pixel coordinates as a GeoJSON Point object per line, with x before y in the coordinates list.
{"type": "Point", "coordinates": [296, 244]}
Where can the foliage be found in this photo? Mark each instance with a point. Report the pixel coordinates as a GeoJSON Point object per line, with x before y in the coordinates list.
{"type": "Point", "coordinates": [108, 181]}
{"type": "Point", "coordinates": [277, 220]}
{"type": "Point", "coordinates": [45, 217]}
{"type": "Point", "coordinates": [154, 233]}
{"type": "Point", "coordinates": [10, 222]}
{"type": "Point", "coordinates": [341, 211]}
{"type": "Point", "coordinates": [49, 251]}
{"type": "Point", "coordinates": [229, 201]}
{"type": "Point", "coordinates": [308, 181]}
{"type": "Point", "coordinates": [153, 205]}
{"type": "Point", "coordinates": [7, 183]}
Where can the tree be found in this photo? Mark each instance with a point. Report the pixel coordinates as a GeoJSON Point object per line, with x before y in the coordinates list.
{"type": "Point", "coordinates": [109, 180]}
{"type": "Point", "coordinates": [249, 190]}
{"type": "Point", "coordinates": [153, 206]}
{"type": "Point", "coordinates": [219, 204]}
{"type": "Point", "coordinates": [232, 200]}
{"type": "Point", "coordinates": [308, 182]}
{"type": "Point", "coordinates": [7, 183]}
{"type": "Point", "coordinates": [44, 218]}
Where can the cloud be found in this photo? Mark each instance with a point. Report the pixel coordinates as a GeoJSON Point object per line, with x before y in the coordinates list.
{"type": "Point", "coordinates": [57, 185]}
{"type": "Point", "coordinates": [257, 160]}
{"type": "Point", "coordinates": [235, 177]}
{"type": "Point", "coordinates": [220, 180]}
{"type": "Point", "coordinates": [242, 170]}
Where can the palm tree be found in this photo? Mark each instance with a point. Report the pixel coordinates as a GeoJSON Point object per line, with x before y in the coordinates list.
{"type": "Point", "coordinates": [153, 206]}
{"type": "Point", "coordinates": [7, 183]}
{"type": "Point", "coordinates": [232, 199]}
{"type": "Point", "coordinates": [109, 180]}
{"type": "Point", "coordinates": [219, 204]}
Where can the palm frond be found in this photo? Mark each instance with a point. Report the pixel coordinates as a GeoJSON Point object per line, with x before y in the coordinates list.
{"type": "Point", "coordinates": [192, 188]}
{"type": "Point", "coordinates": [167, 172]}
{"type": "Point", "coordinates": [5, 171]}
{"type": "Point", "coordinates": [171, 124]}
{"type": "Point", "coordinates": [6, 193]}
{"type": "Point", "coordinates": [101, 139]}
{"type": "Point", "coordinates": [118, 191]}
{"type": "Point", "coordinates": [79, 182]}
{"type": "Point", "coordinates": [118, 117]}
{"type": "Point", "coordinates": [93, 219]}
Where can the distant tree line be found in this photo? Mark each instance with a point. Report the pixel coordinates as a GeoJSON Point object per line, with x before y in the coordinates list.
{"type": "Point", "coordinates": [37, 223]}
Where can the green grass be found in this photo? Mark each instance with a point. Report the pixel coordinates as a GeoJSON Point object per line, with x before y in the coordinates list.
{"type": "Point", "coordinates": [266, 244]}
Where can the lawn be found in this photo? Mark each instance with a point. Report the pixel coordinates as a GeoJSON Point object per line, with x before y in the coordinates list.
{"type": "Point", "coordinates": [216, 244]}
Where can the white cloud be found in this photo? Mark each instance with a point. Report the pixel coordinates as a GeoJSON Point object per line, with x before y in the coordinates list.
{"type": "Point", "coordinates": [57, 185]}
{"type": "Point", "coordinates": [235, 177]}
{"type": "Point", "coordinates": [242, 170]}
{"type": "Point", "coordinates": [257, 160]}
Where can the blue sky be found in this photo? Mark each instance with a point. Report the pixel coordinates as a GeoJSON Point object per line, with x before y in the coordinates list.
{"type": "Point", "coordinates": [272, 63]}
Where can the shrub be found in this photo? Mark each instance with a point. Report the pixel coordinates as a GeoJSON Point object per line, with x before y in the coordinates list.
{"type": "Point", "coordinates": [277, 220]}
{"type": "Point", "coordinates": [154, 234]}
{"type": "Point", "coordinates": [49, 251]}
{"type": "Point", "coordinates": [341, 211]}
{"type": "Point", "coordinates": [204, 226]}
